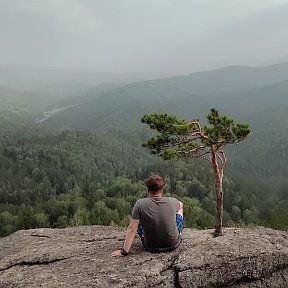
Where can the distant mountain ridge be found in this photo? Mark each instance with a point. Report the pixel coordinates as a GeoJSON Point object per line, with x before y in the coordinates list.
{"type": "Point", "coordinates": [231, 79]}
{"type": "Point", "coordinates": [260, 97]}
{"type": "Point", "coordinates": [35, 77]}
{"type": "Point", "coordinates": [257, 95]}
{"type": "Point", "coordinates": [241, 92]}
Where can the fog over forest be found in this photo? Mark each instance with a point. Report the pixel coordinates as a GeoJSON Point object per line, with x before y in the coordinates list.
{"type": "Point", "coordinates": [164, 36]}
{"type": "Point", "coordinates": [76, 77]}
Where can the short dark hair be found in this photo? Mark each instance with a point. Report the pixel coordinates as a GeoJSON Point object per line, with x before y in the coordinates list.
{"type": "Point", "coordinates": [155, 183]}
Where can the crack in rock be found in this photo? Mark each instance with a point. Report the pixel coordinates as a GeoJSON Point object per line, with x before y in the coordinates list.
{"type": "Point", "coordinates": [282, 276]}
{"type": "Point", "coordinates": [40, 236]}
{"type": "Point", "coordinates": [242, 280]}
{"type": "Point", "coordinates": [33, 263]}
{"type": "Point", "coordinates": [251, 279]}
{"type": "Point", "coordinates": [102, 239]}
{"type": "Point", "coordinates": [174, 270]}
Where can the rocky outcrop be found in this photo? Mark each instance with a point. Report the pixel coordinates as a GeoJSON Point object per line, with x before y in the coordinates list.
{"type": "Point", "coordinates": [80, 257]}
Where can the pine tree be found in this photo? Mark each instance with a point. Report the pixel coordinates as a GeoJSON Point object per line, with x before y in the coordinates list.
{"type": "Point", "coordinates": [178, 138]}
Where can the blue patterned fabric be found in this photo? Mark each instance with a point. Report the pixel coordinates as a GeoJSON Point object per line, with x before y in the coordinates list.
{"type": "Point", "coordinates": [140, 230]}
{"type": "Point", "coordinates": [179, 223]}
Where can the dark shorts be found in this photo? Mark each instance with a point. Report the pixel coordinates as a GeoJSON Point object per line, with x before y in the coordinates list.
{"type": "Point", "coordinates": [179, 223]}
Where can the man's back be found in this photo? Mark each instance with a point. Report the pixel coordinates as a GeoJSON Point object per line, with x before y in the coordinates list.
{"type": "Point", "coordinates": [157, 216]}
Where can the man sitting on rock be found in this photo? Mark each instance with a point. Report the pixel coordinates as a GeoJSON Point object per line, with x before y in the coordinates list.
{"type": "Point", "coordinates": [157, 219]}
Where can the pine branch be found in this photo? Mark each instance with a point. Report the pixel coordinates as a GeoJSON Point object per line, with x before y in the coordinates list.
{"type": "Point", "coordinates": [194, 152]}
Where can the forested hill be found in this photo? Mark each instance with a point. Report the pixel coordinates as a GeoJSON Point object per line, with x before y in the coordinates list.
{"type": "Point", "coordinates": [254, 95]}
{"type": "Point", "coordinates": [93, 173]}
{"type": "Point", "coordinates": [244, 92]}
{"type": "Point", "coordinates": [230, 79]}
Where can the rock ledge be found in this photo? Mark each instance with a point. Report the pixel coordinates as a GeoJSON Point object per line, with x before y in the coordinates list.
{"type": "Point", "coordinates": [80, 257]}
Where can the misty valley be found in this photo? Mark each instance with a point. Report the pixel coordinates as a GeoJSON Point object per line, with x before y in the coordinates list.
{"type": "Point", "coordinates": [71, 151]}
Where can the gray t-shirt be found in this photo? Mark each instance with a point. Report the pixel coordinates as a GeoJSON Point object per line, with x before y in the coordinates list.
{"type": "Point", "coordinates": [158, 218]}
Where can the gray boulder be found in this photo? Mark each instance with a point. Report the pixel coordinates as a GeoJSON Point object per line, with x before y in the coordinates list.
{"type": "Point", "coordinates": [80, 257]}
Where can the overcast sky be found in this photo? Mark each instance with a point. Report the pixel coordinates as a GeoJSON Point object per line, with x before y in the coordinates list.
{"type": "Point", "coordinates": [173, 36]}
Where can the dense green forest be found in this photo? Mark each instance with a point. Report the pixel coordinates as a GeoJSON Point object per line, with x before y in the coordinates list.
{"type": "Point", "coordinates": [86, 165]}
{"type": "Point", "coordinates": [79, 178]}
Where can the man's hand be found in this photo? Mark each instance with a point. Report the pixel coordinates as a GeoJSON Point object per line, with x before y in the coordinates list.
{"type": "Point", "coordinates": [130, 234]}
{"type": "Point", "coordinates": [116, 253]}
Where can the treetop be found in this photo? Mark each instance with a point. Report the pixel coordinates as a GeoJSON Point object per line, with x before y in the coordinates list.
{"type": "Point", "coordinates": [182, 138]}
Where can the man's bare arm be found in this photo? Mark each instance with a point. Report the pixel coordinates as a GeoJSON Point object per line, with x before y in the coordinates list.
{"type": "Point", "coordinates": [130, 234]}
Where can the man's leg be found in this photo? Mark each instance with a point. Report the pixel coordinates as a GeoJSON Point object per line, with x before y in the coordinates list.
{"type": "Point", "coordinates": [140, 232]}
{"type": "Point", "coordinates": [179, 223]}
{"type": "Point", "coordinates": [179, 218]}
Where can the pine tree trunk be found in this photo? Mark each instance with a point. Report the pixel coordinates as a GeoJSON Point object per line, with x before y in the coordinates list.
{"type": "Point", "coordinates": [218, 175]}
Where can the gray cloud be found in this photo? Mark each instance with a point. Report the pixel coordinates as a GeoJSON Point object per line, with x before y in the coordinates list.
{"type": "Point", "coordinates": [176, 36]}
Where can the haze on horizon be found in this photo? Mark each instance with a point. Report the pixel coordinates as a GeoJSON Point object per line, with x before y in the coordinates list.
{"type": "Point", "coordinates": [163, 36]}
